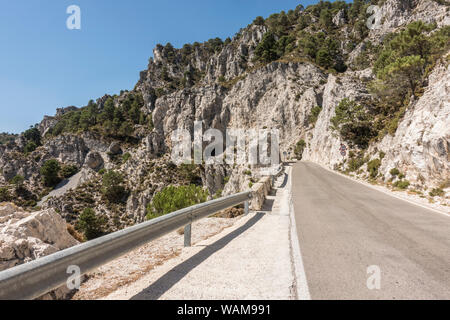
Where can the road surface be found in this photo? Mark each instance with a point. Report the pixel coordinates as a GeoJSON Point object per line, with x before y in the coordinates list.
{"type": "Point", "coordinates": [344, 227]}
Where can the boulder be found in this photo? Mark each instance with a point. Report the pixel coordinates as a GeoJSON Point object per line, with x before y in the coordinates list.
{"type": "Point", "coordinates": [114, 148]}
{"type": "Point", "coordinates": [26, 236]}
{"type": "Point", "coordinates": [94, 160]}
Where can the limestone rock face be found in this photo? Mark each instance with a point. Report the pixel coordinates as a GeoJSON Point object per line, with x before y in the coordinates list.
{"type": "Point", "coordinates": [46, 124]}
{"type": "Point", "coordinates": [397, 13]}
{"type": "Point", "coordinates": [339, 18]}
{"type": "Point", "coordinates": [421, 146]}
{"type": "Point", "coordinates": [67, 148]}
{"type": "Point", "coordinates": [323, 143]}
{"type": "Point", "coordinates": [27, 236]}
{"type": "Point", "coordinates": [34, 235]}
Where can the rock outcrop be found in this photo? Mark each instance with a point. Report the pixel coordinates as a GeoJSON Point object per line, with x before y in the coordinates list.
{"type": "Point", "coordinates": [26, 236]}
{"type": "Point", "coordinates": [420, 147]}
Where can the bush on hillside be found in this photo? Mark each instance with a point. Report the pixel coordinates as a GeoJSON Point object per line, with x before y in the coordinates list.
{"type": "Point", "coordinates": [112, 186]}
{"type": "Point", "coordinates": [50, 172]}
{"type": "Point", "coordinates": [90, 224]}
{"type": "Point", "coordinates": [173, 198]}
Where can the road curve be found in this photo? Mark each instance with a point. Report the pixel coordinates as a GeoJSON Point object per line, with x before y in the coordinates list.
{"type": "Point", "coordinates": [344, 227]}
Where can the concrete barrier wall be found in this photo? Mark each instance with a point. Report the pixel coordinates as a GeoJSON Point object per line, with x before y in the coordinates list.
{"type": "Point", "coordinates": [260, 191]}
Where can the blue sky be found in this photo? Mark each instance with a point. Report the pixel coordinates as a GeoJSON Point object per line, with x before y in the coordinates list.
{"type": "Point", "coordinates": [44, 66]}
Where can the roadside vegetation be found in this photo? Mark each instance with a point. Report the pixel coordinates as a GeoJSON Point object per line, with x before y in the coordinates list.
{"type": "Point", "coordinates": [91, 225]}
{"type": "Point", "coordinates": [174, 198]}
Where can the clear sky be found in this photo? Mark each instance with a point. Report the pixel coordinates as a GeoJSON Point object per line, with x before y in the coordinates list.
{"type": "Point", "coordinates": [44, 65]}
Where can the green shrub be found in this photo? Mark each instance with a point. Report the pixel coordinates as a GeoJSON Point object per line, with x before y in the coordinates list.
{"type": "Point", "coordinates": [322, 49]}
{"type": "Point", "coordinates": [248, 172]}
{"type": "Point", "coordinates": [402, 184]}
{"type": "Point", "coordinates": [218, 194]}
{"type": "Point", "coordinates": [355, 163]}
{"type": "Point", "coordinates": [354, 123]}
{"type": "Point", "coordinates": [50, 172]}
{"type": "Point", "coordinates": [190, 173]}
{"type": "Point", "coordinates": [437, 192]}
{"type": "Point", "coordinates": [4, 195]}
{"type": "Point", "coordinates": [17, 180]}
{"type": "Point", "coordinates": [90, 224]}
{"type": "Point", "coordinates": [68, 170]}
{"type": "Point", "coordinates": [30, 147]}
{"type": "Point", "coordinates": [299, 148]}
{"type": "Point", "coordinates": [214, 45]}
{"type": "Point", "coordinates": [259, 21]}
{"type": "Point", "coordinates": [326, 19]}
{"type": "Point", "coordinates": [173, 198]}
{"type": "Point", "coordinates": [33, 135]}
{"type": "Point", "coordinates": [372, 167]}
{"type": "Point", "coordinates": [126, 157]}
{"type": "Point", "coordinates": [394, 172]}
{"type": "Point", "coordinates": [266, 49]}
{"type": "Point", "coordinates": [315, 114]}
{"type": "Point", "coordinates": [112, 186]}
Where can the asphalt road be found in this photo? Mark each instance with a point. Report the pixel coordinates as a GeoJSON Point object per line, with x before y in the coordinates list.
{"type": "Point", "coordinates": [344, 227]}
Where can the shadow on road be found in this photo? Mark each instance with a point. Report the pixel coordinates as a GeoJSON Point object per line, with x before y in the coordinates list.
{"type": "Point", "coordinates": [284, 181]}
{"type": "Point", "coordinates": [61, 184]}
{"type": "Point", "coordinates": [268, 205]}
{"type": "Point", "coordinates": [167, 281]}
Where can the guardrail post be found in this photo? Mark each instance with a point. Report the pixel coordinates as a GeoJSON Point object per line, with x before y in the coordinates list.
{"type": "Point", "coordinates": [246, 208]}
{"type": "Point", "coordinates": [187, 235]}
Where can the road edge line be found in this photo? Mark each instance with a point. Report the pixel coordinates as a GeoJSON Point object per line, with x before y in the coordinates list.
{"type": "Point", "coordinates": [300, 281]}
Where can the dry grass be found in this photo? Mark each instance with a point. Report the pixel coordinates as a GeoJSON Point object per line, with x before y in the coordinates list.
{"type": "Point", "coordinates": [74, 233]}
{"type": "Point", "coordinates": [229, 213]}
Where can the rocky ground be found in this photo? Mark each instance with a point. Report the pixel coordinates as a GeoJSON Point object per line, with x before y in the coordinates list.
{"type": "Point", "coordinates": [134, 265]}
{"type": "Point", "coordinates": [26, 236]}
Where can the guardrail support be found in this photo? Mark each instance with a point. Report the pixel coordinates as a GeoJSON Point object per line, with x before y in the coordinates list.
{"type": "Point", "coordinates": [187, 235]}
{"type": "Point", "coordinates": [246, 207]}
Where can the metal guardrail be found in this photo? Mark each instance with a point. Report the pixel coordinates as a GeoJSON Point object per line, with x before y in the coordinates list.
{"type": "Point", "coordinates": [33, 279]}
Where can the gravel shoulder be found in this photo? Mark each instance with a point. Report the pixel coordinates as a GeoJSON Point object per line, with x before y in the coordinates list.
{"type": "Point", "coordinates": [132, 266]}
